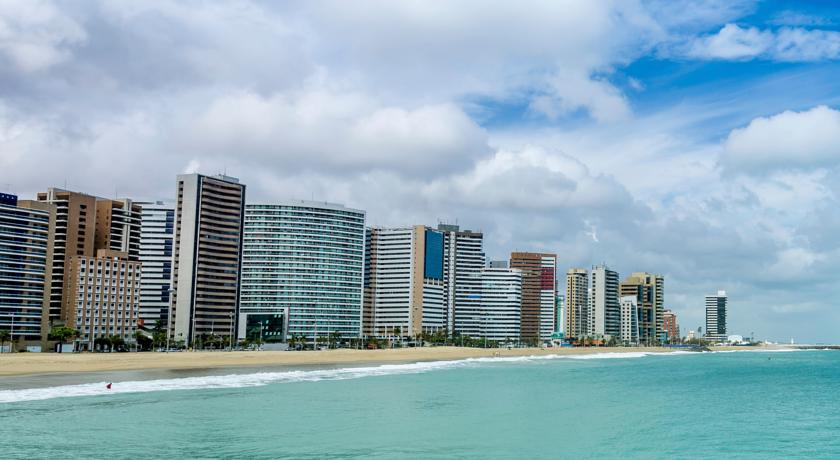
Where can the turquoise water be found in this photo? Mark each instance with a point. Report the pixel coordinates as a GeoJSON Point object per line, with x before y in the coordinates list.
{"type": "Point", "coordinates": [710, 405]}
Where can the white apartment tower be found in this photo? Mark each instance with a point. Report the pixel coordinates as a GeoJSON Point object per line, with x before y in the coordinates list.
{"type": "Point", "coordinates": [302, 271]}
{"type": "Point", "coordinates": [463, 261]}
{"type": "Point", "coordinates": [157, 229]}
{"type": "Point", "coordinates": [604, 314]}
{"type": "Point", "coordinates": [629, 333]}
{"type": "Point", "coordinates": [501, 304]}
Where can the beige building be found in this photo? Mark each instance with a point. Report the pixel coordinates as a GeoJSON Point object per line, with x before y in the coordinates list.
{"type": "Point", "coordinates": [75, 230]}
{"type": "Point", "coordinates": [648, 289]}
{"type": "Point", "coordinates": [577, 303]}
{"type": "Point", "coordinates": [106, 297]}
{"type": "Point", "coordinates": [83, 225]}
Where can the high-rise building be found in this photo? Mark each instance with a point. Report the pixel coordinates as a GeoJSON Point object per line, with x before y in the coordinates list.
{"type": "Point", "coordinates": [561, 312]}
{"type": "Point", "coordinates": [405, 283]}
{"type": "Point", "coordinates": [538, 294]}
{"type": "Point", "coordinates": [75, 228]}
{"type": "Point", "coordinates": [670, 326]}
{"type": "Point", "coordinates": [26, 239]}
{"type": "Point", "coordinates": [107, 297]}
{"type": "Point", "coordinates": [604, 309]}
{"type": "Point", "coordinates": [118, 226]}
{"type": "Point", "coordinates": [629, 334]}
{"type": "Point", "coordinates": [577, 303]}
{"type": "Point", "coordinates": [501, 302]}
{"type": "Point", "coordinates": [463, 260]}
{"type": "Point", "coordinates": [157, 229]}
{"type": "Point", "coordinates": [302, 271]}
{"type": "Point", "coordinates": [206, 268]}
{"type": "Point", "coordinates": [716, 317]}
{"type": "Point", "coordinates": [649, 292]}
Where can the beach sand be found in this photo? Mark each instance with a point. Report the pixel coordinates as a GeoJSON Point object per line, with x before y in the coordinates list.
{"type": "Point", "coordinates": [47, 363]}
{"type": "Point", "coordinates": [18, 364]}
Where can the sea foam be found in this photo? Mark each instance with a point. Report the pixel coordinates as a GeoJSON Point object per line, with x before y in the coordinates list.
{"type": "Point", "coordinates": [265, 378]}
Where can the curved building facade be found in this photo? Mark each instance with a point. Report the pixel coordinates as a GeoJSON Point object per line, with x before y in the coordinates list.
{"type": "Point", "coordinates": [302, 271]}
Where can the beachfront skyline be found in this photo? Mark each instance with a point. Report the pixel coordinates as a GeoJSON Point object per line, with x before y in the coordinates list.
{"type": "Point", "coordinates": [697, 142]}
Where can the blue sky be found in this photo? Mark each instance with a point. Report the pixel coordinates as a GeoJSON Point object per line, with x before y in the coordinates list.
{"type": "Point", "coordinates": [696, 139]}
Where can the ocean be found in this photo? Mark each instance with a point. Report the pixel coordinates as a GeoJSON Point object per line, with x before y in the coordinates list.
{"type": "Point", "coordinates": [751, 404]}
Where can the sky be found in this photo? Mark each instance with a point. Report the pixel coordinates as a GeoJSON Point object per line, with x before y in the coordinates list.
{"type": "Point", "coordinates": [695, 139]}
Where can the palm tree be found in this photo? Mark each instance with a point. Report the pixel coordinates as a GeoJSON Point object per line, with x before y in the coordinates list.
{"type": "Point", "coordinates": [4, 336]}
{"type": "Point", "coordinates": [334, 337]}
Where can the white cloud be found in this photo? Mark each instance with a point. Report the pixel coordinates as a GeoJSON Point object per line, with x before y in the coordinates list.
{"type": "Point", "coordinates": [330, 131]}
{"type": "Point", "coordinates": [35, 35]}
{"type": "Point", "coordinates": [785, 44]}
{"type": "Point", "coordinates": [790, 139]}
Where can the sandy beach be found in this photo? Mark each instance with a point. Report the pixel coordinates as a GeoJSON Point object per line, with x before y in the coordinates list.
{"type": "Point", "coordinates": [46, 363]}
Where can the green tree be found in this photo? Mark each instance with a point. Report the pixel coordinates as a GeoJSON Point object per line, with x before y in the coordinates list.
{"type": "Point", "coordinates": [63, 334]}
{"type": "Point", "coordinates": [334, 338]}
{"type": "Point", "coordinates": [117, 343]}
{"type": "Point", "coordinates": [4, 336]}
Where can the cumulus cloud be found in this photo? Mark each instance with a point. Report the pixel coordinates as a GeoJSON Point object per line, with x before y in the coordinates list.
{"type": "Point", "coordinates": [35, 35]}
{"type": "Point", "coordinates": [785, 44]}
{"type": "Point", "coordinates": [335, 132]}
{"type": "Point", "coordinates": [806, 139]}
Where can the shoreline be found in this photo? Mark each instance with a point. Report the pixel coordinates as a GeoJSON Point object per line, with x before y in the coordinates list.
{"type": "Point", "coordinates": [23, 364]}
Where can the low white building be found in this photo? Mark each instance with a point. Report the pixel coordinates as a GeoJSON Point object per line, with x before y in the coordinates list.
{"type": "Point", "coordinates": [629, 332]}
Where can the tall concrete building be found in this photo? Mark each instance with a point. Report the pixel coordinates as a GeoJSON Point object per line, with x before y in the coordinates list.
{"type": "Point", "coordinates": [577, 303]}
{"type": "Point", "coordinates": [670, 326]}
{"type": "Point", "coordinates": [75, 229]}
{"type": "Point", "coordinates": [629, 333]}
{"type": "Point", "coordinates": [26, 245]}
{"type": "Point", "coordinates": [206, 268]}
{"type": "Point", "coordinates": [649, 292]}
{"type": "Point", "coordinates": [463, 261]}
{"type": "Point", "coordinates": [501, 304]}
{"type": "Point", "coordinates": [302, 271]}
{"type": "Point", "coordinates": [538, 294]}
{"type": "Point", "coordinates": [716, 317]}
{"type": "Point", "coordinates": [405, 283]}
{"type": "Point", "coordinates": [107, 297]}
{"type": "Point", "coordinates": [157, 230]}
{"type": "Point", "coordinates": [604, 309]}
{"type": "Point", "coordinates": [118, 227]}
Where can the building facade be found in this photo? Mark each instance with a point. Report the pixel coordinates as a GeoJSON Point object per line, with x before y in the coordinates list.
{"type": "Point", "coordinates": [629, 333]}
{"type": "Point", "coordinates": [538, 294]}
{"type": "Point", "coordinates": [670, 326]}
{"type": "Point", "coordinates": [463, 261]}
{"type": "Point", "coordinates": [604, 309]}
{"type": "Point", "coordinates": [26, 239]}
{"type": "Point", "coordinates": [206, 267]}
{"type": "Point", "coordinates": [118, 226]}
{"type": "Point", "coordinates": [106, 297]}
{"type": "Point", "coordinates": [405, 283]}
{"type": "Point", "coordinates": [649, 292]}
{"type": "Point", "coordinates": [75, 229]}
{"type": "Point", "coordinates": [716, 317]}
{"type": "Point", "coordinates": [577, 303]}
{"type": "Point", "coordinates": [501, 304]}
{"type": "Point", "coordinates": [302, 271]}
{"type": "Point", "coordinates": [157, 230]}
